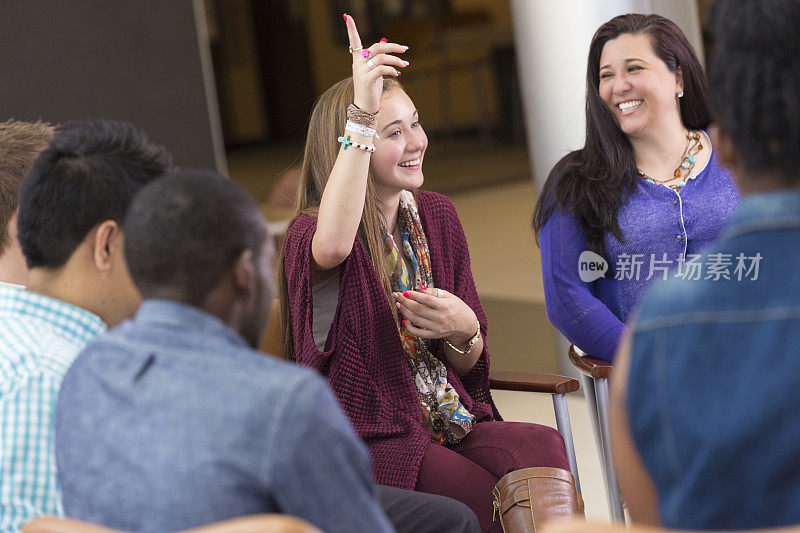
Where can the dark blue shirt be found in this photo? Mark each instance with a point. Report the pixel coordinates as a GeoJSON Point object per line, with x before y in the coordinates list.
{"type": "Point", "coordinates": [171, 421]}
{"type": "Point", "coordinates": [713, 393]}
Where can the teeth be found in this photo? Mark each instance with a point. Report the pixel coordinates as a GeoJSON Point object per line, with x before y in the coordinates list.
{"type": "Point", "coordinates": [630, 104]}
{"type": "Point", "coordinates": [409, 163]}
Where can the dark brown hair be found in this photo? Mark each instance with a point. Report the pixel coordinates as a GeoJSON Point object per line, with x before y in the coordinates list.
{"type": "Point", "coordinates": [20, 144]}
{"type": "Point", "coordinates": [593, 182]}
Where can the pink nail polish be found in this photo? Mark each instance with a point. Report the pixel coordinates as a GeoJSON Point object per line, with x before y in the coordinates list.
{"type": "Point", "coordinates": [344, 16]}
{"type": "Point", "coordinates": [424, 288]}
{"type": "Point", "coordinates": [384, 40]}
{"type": "Point", "coordinates": [399, 73]}
{"type": "Point", "coordinates": [406, 294]}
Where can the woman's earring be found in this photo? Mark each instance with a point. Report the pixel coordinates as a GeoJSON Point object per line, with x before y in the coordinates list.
{"type": "Point", "coordinates": [680, 94]}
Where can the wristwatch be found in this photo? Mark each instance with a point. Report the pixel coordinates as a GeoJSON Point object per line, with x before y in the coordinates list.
{"type": "Point", "coordinates": [470, 343]}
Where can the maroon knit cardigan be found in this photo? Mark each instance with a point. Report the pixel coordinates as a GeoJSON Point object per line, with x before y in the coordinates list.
{"type": "Point", "coordinates": [364, 359]}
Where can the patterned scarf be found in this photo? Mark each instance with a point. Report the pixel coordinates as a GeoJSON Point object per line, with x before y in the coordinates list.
{"type": "Point", "coordinates": [443, 414]}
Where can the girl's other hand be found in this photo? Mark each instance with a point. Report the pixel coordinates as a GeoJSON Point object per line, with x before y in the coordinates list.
{"type": "Point", "coordinates": [432, 317]}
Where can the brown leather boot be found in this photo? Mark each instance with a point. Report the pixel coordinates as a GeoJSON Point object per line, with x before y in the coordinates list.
{"type": "Point", "coordinates": [527, 499]}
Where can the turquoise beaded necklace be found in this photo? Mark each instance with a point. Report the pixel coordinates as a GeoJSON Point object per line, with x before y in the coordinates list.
{"type": "Point", "coordinates": [693, 147]}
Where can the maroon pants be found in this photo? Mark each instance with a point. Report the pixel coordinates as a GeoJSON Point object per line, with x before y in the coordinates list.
{"type": "Point", "coordinates": [469, 470]}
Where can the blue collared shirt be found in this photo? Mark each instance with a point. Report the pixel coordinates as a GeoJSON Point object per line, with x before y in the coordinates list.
{"type": "Point", "coordinates": [39, 338]}
{"type": "Point", "coordinates": [172, 421]}
{"type": "Point", "coordinates": [713, 393]}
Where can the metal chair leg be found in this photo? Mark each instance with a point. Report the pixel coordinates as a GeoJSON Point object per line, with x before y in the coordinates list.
{"type": "Point", "coordinates": [614, 501]}
{"type": "Point", "coordinates": [587, 383]}
{"type": "Point", "coordinates": [565, 428]}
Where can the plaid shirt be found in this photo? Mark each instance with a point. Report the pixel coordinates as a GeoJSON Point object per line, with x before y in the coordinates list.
{"type": "Point", "coordinates": [39, 338]}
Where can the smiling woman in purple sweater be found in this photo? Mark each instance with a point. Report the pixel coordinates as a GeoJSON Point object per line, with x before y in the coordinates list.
{"type": "Point", "coordinates": [379, 297]}
{"type": "Point", "coordinates": [646, 192]}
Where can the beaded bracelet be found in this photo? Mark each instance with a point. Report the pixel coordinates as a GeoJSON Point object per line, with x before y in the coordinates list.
{"type": "Point", "coordinates": [361, 130]}
{"type": "Point", "coordinates": [347, 142]}
{"type": "Point", "coordinates": [470, 343]}
{"type": "Point", "coordinates": [359, 116]}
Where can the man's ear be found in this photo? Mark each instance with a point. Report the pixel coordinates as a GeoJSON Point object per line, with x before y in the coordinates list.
{"type": "Point", "coordinates": [724, 147]}
{"type": "Point", "coordinates": [244, 272]}
{"type": "Point", "coordinates": [104, 234]}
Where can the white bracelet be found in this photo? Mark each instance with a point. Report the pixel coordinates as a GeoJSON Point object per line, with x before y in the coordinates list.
{"type": "Point", "coordinates": [346, 142]}
{"type": "Point", "coordinates": [366, 131]}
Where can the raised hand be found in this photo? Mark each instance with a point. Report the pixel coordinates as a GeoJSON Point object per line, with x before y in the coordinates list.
{"type": "Point", "coordinates": [369, 67]}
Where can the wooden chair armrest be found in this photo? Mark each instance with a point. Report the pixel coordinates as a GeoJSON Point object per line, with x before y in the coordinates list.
{"type": "Point", "coordinates": [273, 523]}
{"type": "Point", "coordinates": [532, 382]}
{"type": "Point", "coordinates": [54, 524]}
{"type": "Point", "coordinates": [591, 366]}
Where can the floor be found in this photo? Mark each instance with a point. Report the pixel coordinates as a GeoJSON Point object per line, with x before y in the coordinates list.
{"type": "Point", "coordinates": [494, 195]}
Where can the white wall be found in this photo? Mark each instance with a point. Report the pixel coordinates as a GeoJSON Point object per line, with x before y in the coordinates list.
{"type": "Point", "coordinates": [552, 43]}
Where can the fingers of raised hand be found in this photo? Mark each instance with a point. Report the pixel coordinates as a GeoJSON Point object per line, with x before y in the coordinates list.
{"type": "Point", "coordinates": [379, 71]}
{"type": "Point", "coordinates": [365, 64]}
{"type": "Point", "coordinates": [387, 48]}
{"type": "Point", "coordinates": [352, 32]}
{"type": "Point", "coordinates": [378, 49]}
{"type": "Point", "coordinates": [386, 59]}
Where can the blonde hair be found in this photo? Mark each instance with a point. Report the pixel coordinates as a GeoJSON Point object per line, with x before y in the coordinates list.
{"type": "Point", "coordinates": [326, 124]}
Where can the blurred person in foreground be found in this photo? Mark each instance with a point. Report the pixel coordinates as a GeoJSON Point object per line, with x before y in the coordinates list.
{"type": "Point", "coordinates": [174, 420]}
{"type": "Point", "coordinates": [705, 421]}
{"type": "Point", "coordinates": [71, 209]}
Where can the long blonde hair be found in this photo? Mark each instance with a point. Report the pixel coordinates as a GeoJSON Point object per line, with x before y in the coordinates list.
{"type": "Point", "coordinates": [327, 123]}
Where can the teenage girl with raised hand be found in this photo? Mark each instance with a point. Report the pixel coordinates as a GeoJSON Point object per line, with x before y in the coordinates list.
{"type": "Point", "coordinates": [379, 297]}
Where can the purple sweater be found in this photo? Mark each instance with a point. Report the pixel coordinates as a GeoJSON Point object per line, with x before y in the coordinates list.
{"type": "Point", "coordinates": [655, 221]}
{"type": "Point", "coordinates": [364, 362]}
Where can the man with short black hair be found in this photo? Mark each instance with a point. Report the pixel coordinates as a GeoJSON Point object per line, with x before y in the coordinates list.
{"type": "Point", "coordinates": [20, 143]}
{"type": "Point", "coordinates": [71, 209]}
{"type": "Point", "coordinates": [174, 420]}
